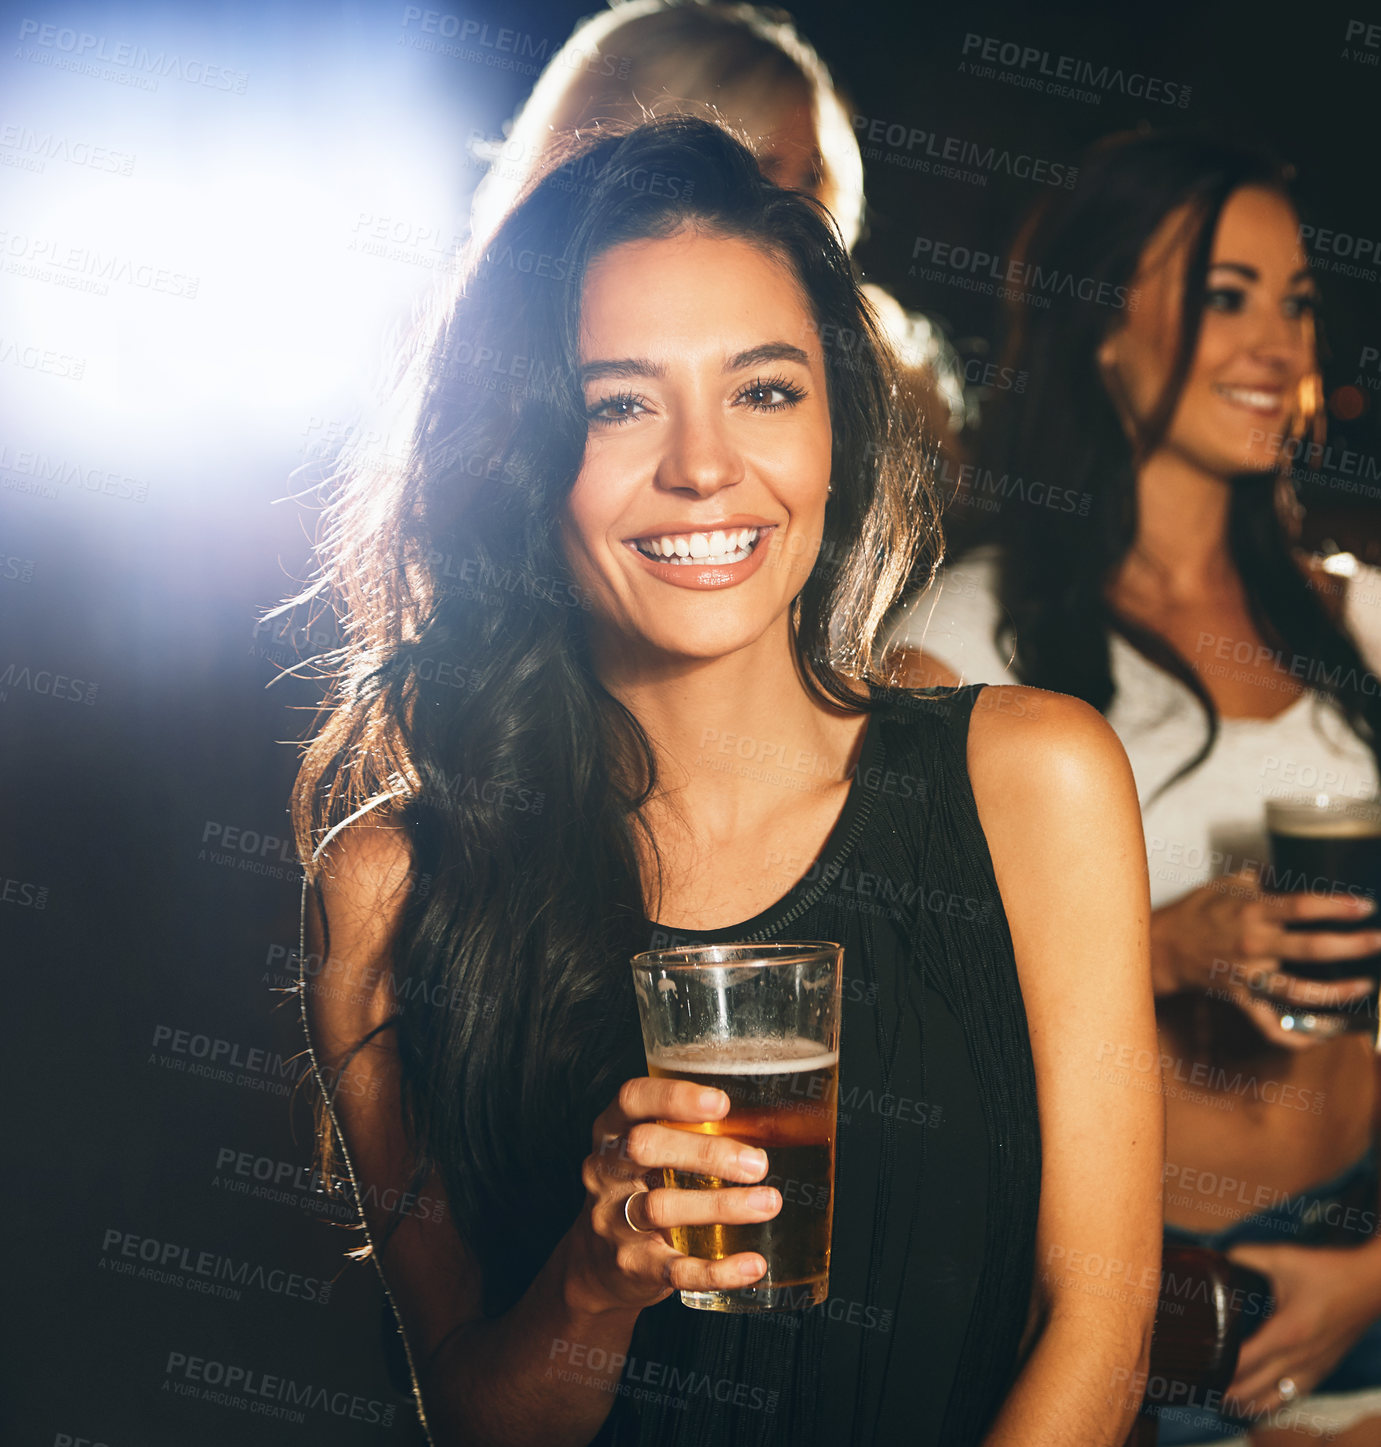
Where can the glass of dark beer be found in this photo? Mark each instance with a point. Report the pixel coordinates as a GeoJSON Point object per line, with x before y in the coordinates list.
{"type": "Point", "coordinates": [1324, 844]}
{"type": "Point", "coordinates": [761, 1023]}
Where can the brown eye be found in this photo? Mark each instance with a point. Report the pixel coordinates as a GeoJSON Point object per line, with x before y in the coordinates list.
{"type": "Point", "coordinates": [1227, 299]}
{"type": "Point", "coordinates": [623, 408]}
{"type": "Point", "coordinates": [771, 396]}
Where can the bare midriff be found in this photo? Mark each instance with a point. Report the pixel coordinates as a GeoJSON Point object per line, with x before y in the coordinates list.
{"type": "Point", "coordinates": [1243, 1136]}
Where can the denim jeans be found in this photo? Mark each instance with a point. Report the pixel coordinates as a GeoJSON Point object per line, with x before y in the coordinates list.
{"type": "Point", "coordinates": [1340, 1212]}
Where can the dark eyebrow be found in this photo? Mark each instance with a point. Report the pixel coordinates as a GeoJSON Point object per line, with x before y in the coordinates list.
{"type": "Point", "coordinates": [621, 367]}
{"type": "Point", "coordinates": [740, 361]}
{"type": "Point", "coordinates": [1250, 273]}
{"type": "Point", "coordinates": [768, 352]}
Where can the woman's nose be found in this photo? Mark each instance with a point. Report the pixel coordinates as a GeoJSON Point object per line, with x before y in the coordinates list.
{"type": "Point", "coordinates": [1285, 340]}
{"type": "Point", "coordinates": [700, 457]}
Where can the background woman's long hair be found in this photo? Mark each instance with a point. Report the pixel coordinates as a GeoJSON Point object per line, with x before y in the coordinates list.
{"type": "Point", "coordinates": [1084, 247]}
{"type": "Point", "coordinates": [465, 701]}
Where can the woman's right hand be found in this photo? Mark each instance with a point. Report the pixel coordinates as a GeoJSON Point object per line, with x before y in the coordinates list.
{"type": "Point", "coordinates": [616, 1266]}
{"type": "Point", "coordinates": [1229, 939]}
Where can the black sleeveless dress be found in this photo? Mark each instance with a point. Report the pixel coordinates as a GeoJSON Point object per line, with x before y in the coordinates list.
{"type": "Point", "coordinates": [938, 1147]}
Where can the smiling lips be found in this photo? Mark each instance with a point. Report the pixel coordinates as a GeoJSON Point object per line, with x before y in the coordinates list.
{"type": "Point", "coordinates": [718, 548]}
{"type": "Point", "coordinates": [713, 559]}
{"type": "Point", "coordinates": [1254, 399]}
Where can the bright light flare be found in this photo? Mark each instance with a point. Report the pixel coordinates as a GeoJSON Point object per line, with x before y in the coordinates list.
{"type": "Point", "coordinates": [249, 270]}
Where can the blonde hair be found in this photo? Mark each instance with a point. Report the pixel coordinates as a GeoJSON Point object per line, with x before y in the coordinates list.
{"type": "Point", "coordinates": [742, 65]}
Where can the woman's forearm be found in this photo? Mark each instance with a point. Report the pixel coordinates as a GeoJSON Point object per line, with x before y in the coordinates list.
{"type": "Point", "coordinates": [1076, 1388]}
{"type": "Point", "coordinates": [542, 1375]}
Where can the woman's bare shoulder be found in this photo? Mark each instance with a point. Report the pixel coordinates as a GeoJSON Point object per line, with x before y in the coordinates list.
{"type": "Point", "coordinates": [365, 863]}
{"type": "Point", "coordinates": [1058, 806]}
{"type": "Point", "coordinates": [1018, 732]}
{"type": "Point", "coordinates": [1049, 774]}
{"type": "Point", "coordinates": [363, 878]}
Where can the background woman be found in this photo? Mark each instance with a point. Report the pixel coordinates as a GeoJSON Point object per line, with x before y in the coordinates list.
{"type": "Point", "coordinates": [750, 68]}
{"type": "Point", "coordinates": [689, 523]}
{"type": "Point", "coordinates": [1143, 551]}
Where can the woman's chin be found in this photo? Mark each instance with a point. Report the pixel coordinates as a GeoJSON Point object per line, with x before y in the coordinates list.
{"type": "Point", "coordinates": [684, 650]}
{"type": "Point", "coordinates": [1262, 456]}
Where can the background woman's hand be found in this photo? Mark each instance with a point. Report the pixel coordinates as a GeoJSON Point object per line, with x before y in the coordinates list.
{"type": "Point", "coordinates": [617, 1266]}
{"type": "Point", "coordinates": [1323, 1304]}
{"type": "Point", "coordinates": [1229, 939]}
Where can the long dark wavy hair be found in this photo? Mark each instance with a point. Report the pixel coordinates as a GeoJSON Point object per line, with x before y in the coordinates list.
{"type": "Point", "coordinates": [1064, 429]}
{"type": "Point", "coordinates": [464, 707]}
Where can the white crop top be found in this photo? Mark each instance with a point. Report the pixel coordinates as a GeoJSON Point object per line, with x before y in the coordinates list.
{"type": "Point", "coordinates": [1212, 821]}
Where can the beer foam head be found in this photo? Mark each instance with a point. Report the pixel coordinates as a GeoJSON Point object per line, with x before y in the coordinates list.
{"type": "Point", "coordinates": [1324, 817]}
{"type": "Point", "coordinates": [766, 1055]}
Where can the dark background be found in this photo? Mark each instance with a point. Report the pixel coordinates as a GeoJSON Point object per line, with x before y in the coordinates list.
{"type": "Point", "coordinates": [147, 892]}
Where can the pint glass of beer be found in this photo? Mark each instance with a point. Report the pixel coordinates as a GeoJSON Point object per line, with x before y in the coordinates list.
{"type": "Point", "coordinates": [761, 1023]}
{"type": "Point", "coordinates": [1324, 844]}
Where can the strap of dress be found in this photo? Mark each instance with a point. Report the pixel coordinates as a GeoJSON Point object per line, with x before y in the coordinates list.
{"type": "Point", "coordinates": [311, 899]}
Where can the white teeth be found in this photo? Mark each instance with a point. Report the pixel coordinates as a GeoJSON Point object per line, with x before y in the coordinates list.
{"type": "Point", "coordinates": [717, 547]}
{"type": "Point", "coordinates": [1251, 397]}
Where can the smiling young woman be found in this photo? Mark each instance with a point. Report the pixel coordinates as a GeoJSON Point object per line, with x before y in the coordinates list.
{"type": "Point", "coordinates": [718, 462]}
{"type": "Point", "coordinates": [1159, 581]}
{"type": "Point", "coordinates": [732, 511]}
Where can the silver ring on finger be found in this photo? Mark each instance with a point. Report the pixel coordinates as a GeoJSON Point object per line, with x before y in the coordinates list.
{"type": "Point", "coordinates": [627, 1201]}
{"type": "Point", "coordinates": [1287, 1389]}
